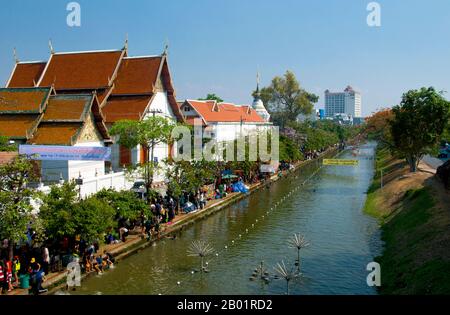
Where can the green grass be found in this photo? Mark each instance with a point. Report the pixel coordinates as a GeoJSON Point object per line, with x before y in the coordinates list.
{"type": "Point", "coordinates": [409, 263]}
{"type": "Point", "coordinates": [382, 161]}
{"type": "Point", "coordinates": [407, 236]}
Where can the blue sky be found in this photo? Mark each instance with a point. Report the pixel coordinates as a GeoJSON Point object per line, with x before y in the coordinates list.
{"type": "Point", "coordinates": [217, 45]}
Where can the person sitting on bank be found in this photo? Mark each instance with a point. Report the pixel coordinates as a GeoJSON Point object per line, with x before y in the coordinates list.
{"type": "Point", "coordinates": [108, 259]}
{"type": "Point", "coordinates": [98, 264]}
{"type": "Point", "coordinates": [87, 264]}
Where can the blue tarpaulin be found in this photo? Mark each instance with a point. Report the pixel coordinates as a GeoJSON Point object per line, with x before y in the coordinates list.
{"type": "Point", "coordinates": [240, 187]}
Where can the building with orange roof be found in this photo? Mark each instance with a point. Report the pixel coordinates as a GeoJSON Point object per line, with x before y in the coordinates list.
{"type": "Point", "coordinates": [39, 116]}
{"type": "Point", "coordinates": [223, 121]}
{"type": "Point", "coordinates": [126, 88]}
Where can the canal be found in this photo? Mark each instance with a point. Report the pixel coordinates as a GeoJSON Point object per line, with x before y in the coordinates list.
{"type": "Point", "coordinates": [327, 209]}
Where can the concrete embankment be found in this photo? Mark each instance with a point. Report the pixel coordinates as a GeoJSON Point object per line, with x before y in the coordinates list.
{"type": "Point", "coordinates": [414, 213]}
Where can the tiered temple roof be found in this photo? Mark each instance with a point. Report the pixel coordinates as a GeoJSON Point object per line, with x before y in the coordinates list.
{"type": "Point", "coordinates": [108, 84]}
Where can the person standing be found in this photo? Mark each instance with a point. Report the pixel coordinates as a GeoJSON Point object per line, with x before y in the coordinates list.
{"type": "Point", "coordinates": [45, 260]}
{"type": "Point", "coordinates": [9, 274]}
{"type": "Point", "coordinates": [16, 270]}
{"type": "Point", "coordinates": [3, 284]}
{"type": "Point", "coordinates": [202, 200]}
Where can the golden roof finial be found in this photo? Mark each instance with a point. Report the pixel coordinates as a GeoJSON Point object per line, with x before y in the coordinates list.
{"type": "Point", "coordinates": [50, 45]}
{"type": "Point", "coordinates": [15, 55]}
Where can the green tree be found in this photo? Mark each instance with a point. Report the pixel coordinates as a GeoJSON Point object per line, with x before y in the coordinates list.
{"type": "Point", "coordinates": [418, 123]}
{"type": "Point", "coordinates": [57, 211]}
{"type": "Point", "coordinates": [15, 196]}
{"type": "Point", "coordinates": [64, 216]}
{"type": "Point", "coordinates": [5, 146]}
{"type": "Point", "coordinates": [93, 219]}
{"type": "Point", "coordinates": [125, 203]}
{"type": "Point", "coordinates": [212, 97]}
{"type": "Point", "coordinates": [286, 99]}
{"type": "Point", "coordinates": [148, 133]}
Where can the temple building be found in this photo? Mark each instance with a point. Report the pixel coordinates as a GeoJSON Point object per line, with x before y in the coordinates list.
{"type": "Point", "coordinates": [258, 104]}
{"type": "Point", "coordinates": [75, 97]}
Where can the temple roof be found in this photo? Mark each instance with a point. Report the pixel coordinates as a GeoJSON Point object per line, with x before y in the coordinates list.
{"type": "Point", "coordinates": [125, 107]}
{"type": "Point", "coordinates": [81, 70]}
{"type": "Point", "coordinates": [137, 75]}
{"type": "Point", "coordinates": [26, 74]}
{"type": "Point", "coordinates": [20, 126]}
{"type": "Point", "coordinates": [23, 100]}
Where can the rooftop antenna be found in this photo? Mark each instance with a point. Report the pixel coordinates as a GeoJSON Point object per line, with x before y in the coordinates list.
{"type": "Point", "coordinates": [50, 45]}
{"type": "Point", "coordinates": [15, 55]}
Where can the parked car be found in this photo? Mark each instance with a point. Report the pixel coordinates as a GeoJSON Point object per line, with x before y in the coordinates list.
{"type": "Point", "coordinates": [139, 189]}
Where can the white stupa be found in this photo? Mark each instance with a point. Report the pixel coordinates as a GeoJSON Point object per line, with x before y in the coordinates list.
{"type": "Point", "coordinates": [258, 104]}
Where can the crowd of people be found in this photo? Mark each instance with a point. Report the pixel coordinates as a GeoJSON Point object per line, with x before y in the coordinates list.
{"type": "Point", "coordinates": [20, 273]}
{"type": "Point", "coordinates": [32, 264]}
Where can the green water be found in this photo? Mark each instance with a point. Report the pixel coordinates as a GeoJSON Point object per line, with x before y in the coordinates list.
{"type": "Point", "coordinates": [327, 209]}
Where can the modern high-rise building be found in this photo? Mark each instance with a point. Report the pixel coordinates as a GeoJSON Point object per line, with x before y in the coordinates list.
{"type": "Point", "coordinates": [347, 102]}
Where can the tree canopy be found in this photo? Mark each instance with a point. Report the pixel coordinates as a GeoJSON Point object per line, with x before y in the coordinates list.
{"type": "Point", "coordinates": [418, 123]}
{"type": "Point", "coordinates": [5, 146]}
{"type": "Point", "coordinates": [148, 133]}
{"type": "Point", "coordinates": [64, 216]}
{"type": "Point", "coordinates": [15, 208]}
{"type": "Point", "coordinates": [212, 97]}
{"type": "Point", "coordinates": [286, 99]}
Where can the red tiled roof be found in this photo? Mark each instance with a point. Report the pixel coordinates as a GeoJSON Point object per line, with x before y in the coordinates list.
{"type": "Point", "coordinates": [67, 107]}
{"type": "Point", "coordinates": [226, 112]}
{"type": "Point", "coordinates": [56, 133]}
{"type": "Point", "coordinates": [137, 75]}
{"type": "Point", "coordinates": [26, 74]}
{"type": "Point", "coordinates": [125, 107]}
{"type": "Point", "coordinates": [18, 126]}
{"type": "Point", "coordinates": [81, 70]}
{"type": "Point", "coordinates": [20, 100]}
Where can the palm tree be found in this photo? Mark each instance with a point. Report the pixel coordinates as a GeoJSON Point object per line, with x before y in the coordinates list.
{"type": "Point", "coordinates": [200, 249]}
{"type": "Point", "coordinates": [299, 242]}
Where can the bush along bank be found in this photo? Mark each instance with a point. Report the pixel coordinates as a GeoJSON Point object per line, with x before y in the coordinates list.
{"type": "Point", "coordinates": [414, 214]}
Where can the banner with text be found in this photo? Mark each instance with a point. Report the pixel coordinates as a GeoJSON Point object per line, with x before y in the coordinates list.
{"type": "Point", "coordinates": [340, 162]}
{"type": "Point", "coordinates": [65, 153]}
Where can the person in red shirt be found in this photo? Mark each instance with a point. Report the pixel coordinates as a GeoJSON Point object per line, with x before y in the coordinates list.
{"type": "Point", "coordinates": [9, 274]}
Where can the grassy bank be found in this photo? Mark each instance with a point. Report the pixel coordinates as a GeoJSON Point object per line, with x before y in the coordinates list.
{"type": "Point", "coordinates": [415, 223]}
